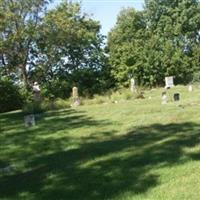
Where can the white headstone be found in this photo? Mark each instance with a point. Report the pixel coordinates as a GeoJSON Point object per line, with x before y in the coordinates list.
{"type": "Point", "coordinates": [190, 88]}
{"type": "Point", "coordinates": [75, 96]}
{"type": "Point", "coordinates": [75, 92]}
{"type": "Point", "coordinates": [169, 82]}
{"type": "Point", "coordinates": [132, 85]}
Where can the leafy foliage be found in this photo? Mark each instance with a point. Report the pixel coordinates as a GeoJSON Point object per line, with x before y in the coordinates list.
{"type": "Point", "coordinates": [161, 40]}
{"type": "Point", "coordinates": [19, 28]}
{"type": "Point", "coordinates": [59, 45]}
{"type": "Point", "coordinates": [62, 47]}
{"type": "Point", "coordinates": [10, 98]}
{"type": "Point", "coordinates": [71, 51]}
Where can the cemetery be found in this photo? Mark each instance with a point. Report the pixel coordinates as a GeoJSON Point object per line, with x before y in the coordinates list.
{"type": "Point", "coordinates": [147, 148]}
{"type": "Point", "coordinates": [89, 115]}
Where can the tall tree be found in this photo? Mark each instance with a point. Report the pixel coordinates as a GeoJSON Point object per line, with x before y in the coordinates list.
{"type": "Point", "coordinates": [125, 42]}
{"type": "Point", "coordinates": [19, 24]}
{"type": "Point", "coordinates": [177, 24]}
{"type": "Point", "coordinates": [71, 47]}
{"type": "Point", "coordinates": [165, 43]}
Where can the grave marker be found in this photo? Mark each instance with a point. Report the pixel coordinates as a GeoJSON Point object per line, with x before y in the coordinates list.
{"type": "Point", "coordinates": [133, 89]}
{"type": "Point", "coordinates": [164, 98]}
{"type": "Point", "coordinates": [176, 96]}
{"type": "Point", "coordinates": [29, 120]}
{"type": "Point", "coordinates": [169, 82]}
{"type": "Point", "coordinates": [190, 88]}
{"type": "Point", "coordinates": [75, 96]}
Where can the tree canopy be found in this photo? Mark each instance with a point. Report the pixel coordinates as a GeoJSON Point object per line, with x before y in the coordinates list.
{"type": "Point", "coordinates": [159, 41]}
{"type": "Point", "coordinates": [56, 47]}
{"type": "Point", "coordinates": [19, 25]}
{"type": "Point", "coordinates": [62, 46]}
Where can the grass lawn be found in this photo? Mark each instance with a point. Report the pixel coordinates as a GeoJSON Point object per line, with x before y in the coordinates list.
{"type": "Point", "coordinates": [135, 149]}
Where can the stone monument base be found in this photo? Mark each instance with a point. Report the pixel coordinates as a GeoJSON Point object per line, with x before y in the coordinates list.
{"type": "Point", "coordinates": [29, 120]}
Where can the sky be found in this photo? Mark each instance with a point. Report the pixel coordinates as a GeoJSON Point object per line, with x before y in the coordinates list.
{"type": "Point", "coordinates": [106, 11]}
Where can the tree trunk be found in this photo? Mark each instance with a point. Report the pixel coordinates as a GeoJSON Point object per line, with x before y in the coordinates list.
{"type": "Point", "coordinates": [25, 77]}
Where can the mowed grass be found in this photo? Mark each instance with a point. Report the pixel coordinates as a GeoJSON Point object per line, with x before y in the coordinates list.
{"type": "Point", "coordinates": [135, 149]}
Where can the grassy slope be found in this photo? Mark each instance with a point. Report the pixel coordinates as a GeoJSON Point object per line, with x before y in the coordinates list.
{"type": "Point", "coordinates": [137, 149]}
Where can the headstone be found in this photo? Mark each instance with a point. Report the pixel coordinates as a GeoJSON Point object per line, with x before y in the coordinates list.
{"type": "Point", "coordinates": [75, 92]}
{"type": "Point", "coordinates": [169, 82]}
{"type": "Point", "coordinates": [190, 88]}
{"type": "Point", "coordinates": [176, 96]}
{"type": "Point", "coordinates": [75, 96]}
{"type": "Point", "coordinates": [29, 120]}
{"type": "Point", "coordinates": [164, 98]}
{"type": "Point", "coordinates": [37, 92]}
{"type": "Point", "coordinates": [133, 89]}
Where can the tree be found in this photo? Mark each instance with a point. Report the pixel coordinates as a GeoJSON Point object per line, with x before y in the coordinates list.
{"type": "Point", "coordinates": [47, 46]}
{"type": "Point", "coordinates": [177, 24]}
{"type": "Point", "coordinates": [10, 98]}
{"type": "Point", "coordinates": [71, 48]}
{"type": "Point", "coordinates": [20, 20]}
{"type": "Point", "coordinates": [125, 42]}
{"type": "Point", "coordinates": [162, 40]}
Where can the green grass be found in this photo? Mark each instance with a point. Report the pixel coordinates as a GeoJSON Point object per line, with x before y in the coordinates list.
{"type": "Point", "coordinates": [130, 150]}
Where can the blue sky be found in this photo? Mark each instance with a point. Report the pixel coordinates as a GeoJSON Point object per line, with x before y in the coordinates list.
{"type": "Point", "coordinates": [106, 11]}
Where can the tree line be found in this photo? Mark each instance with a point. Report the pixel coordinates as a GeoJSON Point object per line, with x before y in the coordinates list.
{"type": "Point", "coordinates": [58, 47]}
{"type": "Point", "coordinates": [161, 40]}
{"type": "Point", "coordinates": [62, 47]}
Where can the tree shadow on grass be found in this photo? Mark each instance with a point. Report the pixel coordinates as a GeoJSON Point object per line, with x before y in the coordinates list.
{"type": "Point", "coordinates": [47, 124]}
{"type": "Point", "coordinates": [15, 120]}
{"type": "Point", "coordinates": [49, 134]}
{"type": "Point", "coordinates": [105, 169]}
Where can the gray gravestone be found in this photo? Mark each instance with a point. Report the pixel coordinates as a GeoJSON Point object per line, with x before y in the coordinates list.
{"type": "Point", "coordinates": [164, 98]}
{"type": "Point", "coordinates": [75, 96]}
{"type": "Point", "coordinates": [29, 120]}
{"type": "Point", "coordinates": [176, 96]}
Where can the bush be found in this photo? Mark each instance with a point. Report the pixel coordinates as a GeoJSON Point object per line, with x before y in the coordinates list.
{"type": "Point", "coordinates": [97, 99]}
{"type": "Point", "coordinates": [10, 97]}
{"type": "Point", "coordinates": [57, 89]}
{"type": "Point", "coordinates": [127, 94]}
{"type": "Point", "coordinates": [61, 104]}
{"type": "Point", "coordinates": [122, 94]}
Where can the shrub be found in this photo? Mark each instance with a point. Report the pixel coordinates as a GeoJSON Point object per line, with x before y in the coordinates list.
{"type": "Point", "coordinates": [61, 103]}
{"type": "Point", "coordinates": [57, 89]}
{"type": "Point", "coordinates": [97, 99]}
{"type": "Point", "coordinates": [45, 105]}
{"type": "Point", "coordinates": [127, 94]}
{"type": "Point", "coordinates": [10, 97]}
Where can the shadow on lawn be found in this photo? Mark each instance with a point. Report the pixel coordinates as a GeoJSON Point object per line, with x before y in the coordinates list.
{"type": "Point", "coordinates": [51, 132]}
{"type": "Point", "coordinates": [105, 169]}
